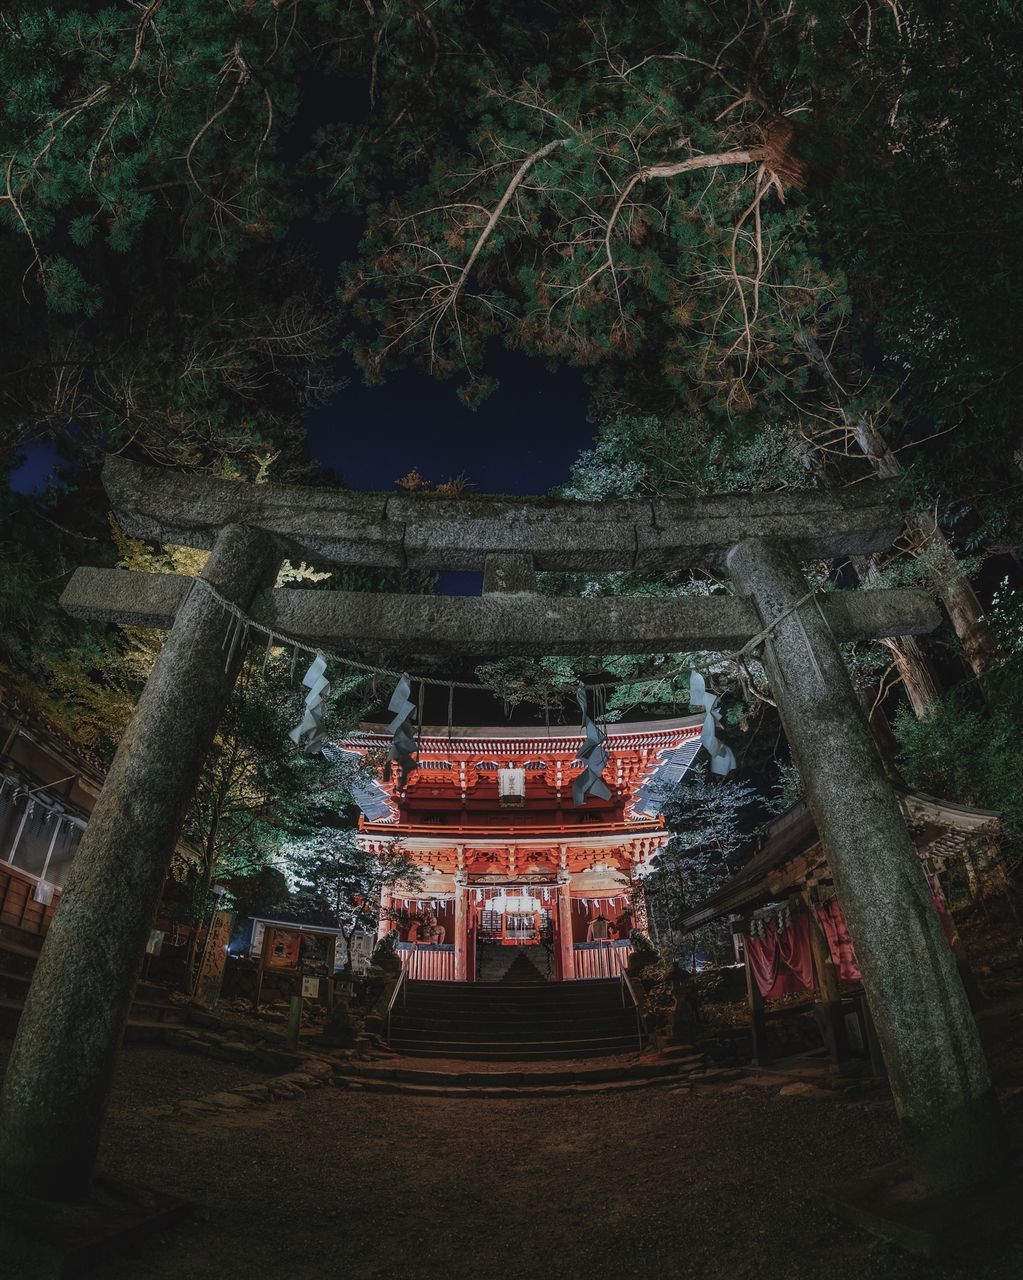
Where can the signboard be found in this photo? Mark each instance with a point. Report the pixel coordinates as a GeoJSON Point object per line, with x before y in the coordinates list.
{"type": "Point", "coordinates": [310, 988]}
{"type": "Point", "coordinates": [211, 971]}
{"type": "Point", "coordinates": [256, 941]}
{"type": "Point", "coordinates": [362, 951]}
{"type": "Point", "coordinates": [284, 950]}
{"type": "Point", "coordinates": [155, 944]}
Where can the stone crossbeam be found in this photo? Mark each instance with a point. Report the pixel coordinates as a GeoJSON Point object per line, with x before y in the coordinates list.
{"type": "Point", "coordinates": [397, 531]}
{"type": "Point", "coordinates": [515, 625]}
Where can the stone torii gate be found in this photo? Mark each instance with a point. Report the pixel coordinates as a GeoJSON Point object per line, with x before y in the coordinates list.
{"type": "Point", "coordinates": [56, 1085]}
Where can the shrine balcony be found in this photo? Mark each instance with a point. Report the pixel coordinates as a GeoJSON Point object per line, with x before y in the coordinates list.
{"type": "Point", "coordinates": [435, 962]}
{"type": "Point", "coordinates": [427, 961]}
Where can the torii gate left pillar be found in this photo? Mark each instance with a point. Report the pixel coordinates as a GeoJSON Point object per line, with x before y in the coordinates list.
{"type": "Point", "coordinates": [58, 1077]}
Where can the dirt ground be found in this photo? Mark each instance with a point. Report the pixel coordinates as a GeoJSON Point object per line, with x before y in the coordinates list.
{"type": "Point", "coordinates": [718, 1184]}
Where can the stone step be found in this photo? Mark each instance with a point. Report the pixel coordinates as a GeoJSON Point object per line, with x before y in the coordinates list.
{"type": "Point", "coordinates": [481, 1020]}
{"type": "Point", "coordinates": [506, 1022]}
{"type": "Point", "coordinates": [519, 1009]}
{"type": "Point", "coordinates": [511, 1051]}
{"type": "Point", "coordinates": [532, 1089]}
{"type": "Point", "coordinates": [466, 1032]}
{"type": "Point", "coordinates": [397, 1070]}
{"type": "Point", "coordinates": [512, 990]}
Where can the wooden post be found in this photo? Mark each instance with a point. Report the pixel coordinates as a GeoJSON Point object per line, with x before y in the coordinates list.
{"type": "Point", "coordinates": [828, 989]}
{"type": "Point", "coordinates": [566, 945]}
{"type": "Point", "coordinates": [294, 1021]}
{"type": "Point", "coordinates": [331, 963]}
{"type": "Point", "coordinates": [757, 1021]}
{"type": "Point", "coordinates": [264, 952]}
{"type": "Point", "coordinates": [58, 1077]}
{"type": "Point", "coordinates": [461, 929]}
{"type": "Point", "coordinates": [939, 1077]}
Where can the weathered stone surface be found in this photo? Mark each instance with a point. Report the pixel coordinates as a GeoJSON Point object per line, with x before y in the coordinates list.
{"type": "Point", "coordinates": [829, 524]}
{"type": "Point", "coordinates": [197, 1107]}
{"type": "Point", "coordinates": [560, 534]}
{"type": "Point", "coordinates": [935, 1062]}
{"type": "Point", "coordinates": [339, 526]}
{"type": "Point", "coordinates": [800, 1089]}
{"type": "Point", "coordinates": [284, 1089]}
{"type": "Point", "coordinates": [509, 575]}
{"type": "Point", "coordinates": [57, 1079]}
{"type": "Point", "coordinates": [257, 1092]}
{"type": "Point", "coordinates": [428, 532]}
{"type": "Point", "coordinates": [277, 1059]}
{"type": "Point", "coordinates": [228, 1100]}
{"type": "Point", "coordinates": [303, 1080]}
{"type": "Point", "coordinates": [499, 623]}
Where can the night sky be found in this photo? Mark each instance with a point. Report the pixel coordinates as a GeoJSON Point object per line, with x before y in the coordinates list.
{"type": "Point", "coordinates": [523, 439]}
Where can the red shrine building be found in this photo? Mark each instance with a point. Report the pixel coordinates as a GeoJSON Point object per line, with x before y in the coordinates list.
{"type": "Point", "coordinates": [517, 881]}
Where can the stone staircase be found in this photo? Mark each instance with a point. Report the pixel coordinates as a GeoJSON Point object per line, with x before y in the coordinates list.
{"type": "Point", "coordinates": [680, 1067]}
{"type": "Point", "coordinates": [513, 1022]}
{"type": "Point", "coordinates": [152, 1011]}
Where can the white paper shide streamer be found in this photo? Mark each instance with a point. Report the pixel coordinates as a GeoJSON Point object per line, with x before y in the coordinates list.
{"type": "Point", "coordinates": [722, 758]}
{"type": "Point", "coordinates": [308, 734]}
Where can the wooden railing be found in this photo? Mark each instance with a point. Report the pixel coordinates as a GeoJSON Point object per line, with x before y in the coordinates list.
{"type": "Point", "coordinates": [601, 959]}
{"type": "Point", "coordinates": [17, 905]}
{"type": "Point", "coordinates": [639, 826]}
{"type": "Point", "coordinates": [427, 962]}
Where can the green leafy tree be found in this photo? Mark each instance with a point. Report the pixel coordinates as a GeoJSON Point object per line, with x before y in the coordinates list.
{"type": "Point", "coordinates": [708, 819]}
{"type": "Point", "coordinates": [339, 884]}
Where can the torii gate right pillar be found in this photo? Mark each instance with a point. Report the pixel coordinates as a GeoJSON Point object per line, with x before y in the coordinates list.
{"type": "Point", "coordinates": [935, 1062]}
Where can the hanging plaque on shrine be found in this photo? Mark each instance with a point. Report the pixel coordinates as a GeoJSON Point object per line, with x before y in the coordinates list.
{"type": "Point", "coordinates": [511, 788]}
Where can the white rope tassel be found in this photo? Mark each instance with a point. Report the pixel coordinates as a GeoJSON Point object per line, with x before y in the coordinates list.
{"type": "Point", "coordinates": [308, 733]}
{"type": "Point", "coordinates": [722, 757]}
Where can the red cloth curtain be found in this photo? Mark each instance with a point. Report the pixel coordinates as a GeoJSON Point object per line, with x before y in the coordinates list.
{"type": "Point", "coordinates": [781, 960]}
{"type": "Point", "coordinates": [840, 944]}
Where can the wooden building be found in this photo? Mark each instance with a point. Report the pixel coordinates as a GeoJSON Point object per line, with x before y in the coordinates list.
{"type": "Point", "coordinates": [48, 787]}
{"type": "Point", "coordinates": [513, 872]}
{"type": "Point", "coordinates": [786, 915]}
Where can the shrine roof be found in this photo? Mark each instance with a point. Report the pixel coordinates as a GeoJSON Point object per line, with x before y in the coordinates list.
{"type": "Point", "coordinates": [938, 826]}
{"type": "Point", "coordinates": [647, 758]}
{"type": "Point", "coordinates": [524, 740]}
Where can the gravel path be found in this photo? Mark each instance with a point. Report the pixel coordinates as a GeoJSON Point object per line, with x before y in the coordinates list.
{"type": "Point", "coordinates": [717, 1184]}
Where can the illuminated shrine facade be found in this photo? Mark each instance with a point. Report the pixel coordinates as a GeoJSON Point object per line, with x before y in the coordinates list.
{"type": "Point", "coordinates": [513, 871]}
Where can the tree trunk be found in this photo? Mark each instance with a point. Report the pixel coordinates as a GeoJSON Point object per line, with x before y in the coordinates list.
{"type": "Point", "coordinates": [915, 672]}
{"type": "Point", "coordinates": [980, 644]}
{"type": "Point", "coordinates": [201, 899]}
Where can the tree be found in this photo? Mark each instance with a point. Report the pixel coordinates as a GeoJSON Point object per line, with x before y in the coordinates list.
{"type": "Point", "coordinates": [146, 193]}
{"type": "Point", "coordinates": [340, 884]}
{"type": "Point", "coordinates": [630, 194]}
{"type": "Point", "coordinates": [709, 820]}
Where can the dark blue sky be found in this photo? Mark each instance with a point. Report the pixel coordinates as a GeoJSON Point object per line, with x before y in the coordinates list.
{"type": "Point", "coordinates": [32, 474]}
{"type": "Point", "coordinates": [523, 439]}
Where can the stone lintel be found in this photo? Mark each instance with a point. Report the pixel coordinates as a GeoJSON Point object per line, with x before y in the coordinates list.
{"type": "Point", "coordinates": [509, 575]}
{"type": "Point", "coordinates": [495, 624]}
{"type": "Point", "coordinates": [423, 531]}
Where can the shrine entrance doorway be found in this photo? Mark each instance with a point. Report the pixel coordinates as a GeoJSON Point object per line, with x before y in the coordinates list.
{"type": "Point", "coordinates": [512, 934]}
